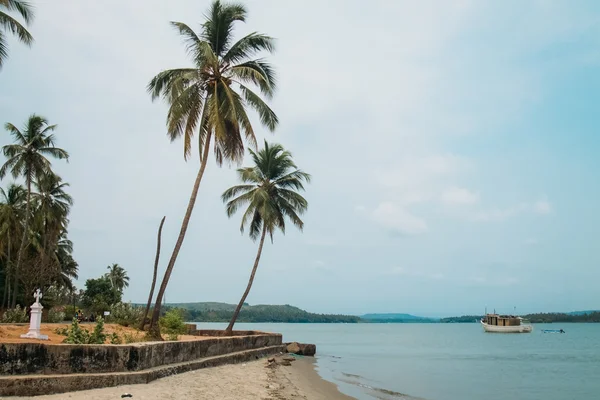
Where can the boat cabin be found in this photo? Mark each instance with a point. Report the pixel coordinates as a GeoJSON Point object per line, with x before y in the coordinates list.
{"type": "Point", "coordinates": [502, 320]}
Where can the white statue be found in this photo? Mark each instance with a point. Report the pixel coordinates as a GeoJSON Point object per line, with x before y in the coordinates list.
{"type": "Point", "coordinates": [35, 320]}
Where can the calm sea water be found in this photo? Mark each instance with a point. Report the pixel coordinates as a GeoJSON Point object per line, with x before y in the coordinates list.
{"type": "Point", "coordinates": [451, 361]}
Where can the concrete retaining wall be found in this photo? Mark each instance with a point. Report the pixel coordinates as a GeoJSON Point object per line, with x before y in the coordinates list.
{"type": "Point", "coordinates": [41, 358]}
{"type": "Point", "coordinates": [35, 385]}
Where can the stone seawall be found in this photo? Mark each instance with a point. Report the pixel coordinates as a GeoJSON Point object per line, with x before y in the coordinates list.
{"type": "Point", "coordinates": [41, 358]}
{"type": "Point", "coordinates": [35, 385]}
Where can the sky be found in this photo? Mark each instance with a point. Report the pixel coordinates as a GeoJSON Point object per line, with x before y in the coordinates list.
{"type": "Point", "coordinates": [454, 149]}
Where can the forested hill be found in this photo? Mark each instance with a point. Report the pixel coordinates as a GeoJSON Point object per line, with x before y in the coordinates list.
{"type": "Point", "coordinates": [222, 312]}
{"type": "Point", "coordinates": [539, 318]}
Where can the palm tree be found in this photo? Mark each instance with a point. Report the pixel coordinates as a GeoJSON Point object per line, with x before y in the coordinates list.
{"type": "Point", "coordinates": [270, 191]}
{"type": "Point", "coordinates": [8, 23]}
{"type": "Point", "coordinates": [27, 157]}
{"type": "Point", "coordinates": [213, 96]}
{"type": "Point", "coordinates": [118, 277]}
{"type": "Point", "coordinates": [11, 218]}
{"type": "Point", "coordinates": [52, 205]}
{"type": "Point", "coordinates": [68, 266]}
{"type": "Point", "coordinates": [52, 200]}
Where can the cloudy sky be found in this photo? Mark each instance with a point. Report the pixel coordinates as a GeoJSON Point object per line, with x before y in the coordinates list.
{"type": "Point", "coordinates": [454, 148]}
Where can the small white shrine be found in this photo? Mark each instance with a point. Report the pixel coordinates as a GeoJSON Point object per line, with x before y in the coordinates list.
{"type": "Point", "coordinates": [35, 321]}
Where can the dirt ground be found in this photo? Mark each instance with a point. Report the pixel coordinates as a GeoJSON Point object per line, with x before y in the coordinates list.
{"type": "Point", "coordinates": [10, 333]}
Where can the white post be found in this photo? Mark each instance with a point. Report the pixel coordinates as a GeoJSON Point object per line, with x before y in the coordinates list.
{"type": "Point", "coordinates": [35, 321]}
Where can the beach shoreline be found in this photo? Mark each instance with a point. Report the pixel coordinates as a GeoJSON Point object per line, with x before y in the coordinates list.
{"type": "Point", "coordinates": [256, 380]}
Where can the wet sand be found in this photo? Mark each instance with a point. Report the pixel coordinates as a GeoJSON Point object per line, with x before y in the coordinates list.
{"type": "Point", "coordinates": [251, 381]}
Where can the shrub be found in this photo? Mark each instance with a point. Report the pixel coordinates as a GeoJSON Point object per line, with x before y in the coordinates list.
{"type": "Point", "coordinates": [62, 331]}
{"type": "Point", "coordinates": [115, 339]}
{"type": "Point", "coordinates": [76, 335]}
{"type": "Point", "coordinates": [15, 315]}
{"type": "Point", "coordinates": [173, 324]}
{"type": "Point", "coordinates": [55, 316]}
{"type": "Point", "coordinates": [98, 336]}
{"type": "Point", "coordinates": [126, 315]}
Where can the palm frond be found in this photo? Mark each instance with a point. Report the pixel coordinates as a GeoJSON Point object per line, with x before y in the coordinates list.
{"type": "Point", "coordinates": [267, 116]}
{"type": "Point", "coordinates": [55, 152]}
{"type": "Point", "coordinates": [257, 72]}
{"type": "Point", "coordinates": [248, 46]}
{"type": "Point", "coordinates": [13, 26]}
{"type": "Point", "coordinates": [218, 28]}
{"type": "Point", "coordinates": [235, 190]}
{"type": "Point", "coordinates": [24, 8]}
{"type": "Point", "coordinates": [162, 84]}
{"type": "Point", "coordinates": [3, 49]}
{"type": "Point", "coordinates": [13, 130]}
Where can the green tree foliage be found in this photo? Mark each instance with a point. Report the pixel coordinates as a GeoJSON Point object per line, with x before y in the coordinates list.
{"type": "Point", "coordinates": [118, 277]}
{"type": "Point", "coordinates": [220, 312]}
{"type": "Point", "coordinates": [9, 24]}
{"type": "Point", "coordinates": [212, 97]}
{"type": "Point", "coordinates": [590, 316]}
{"type": "Point", "coordinates": [99, 295]}
{"type": "Point", "coordinates": [35, 251]}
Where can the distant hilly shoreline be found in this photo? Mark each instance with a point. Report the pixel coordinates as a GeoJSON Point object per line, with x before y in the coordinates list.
{"type": "Point", "coordinates": [221, 312]}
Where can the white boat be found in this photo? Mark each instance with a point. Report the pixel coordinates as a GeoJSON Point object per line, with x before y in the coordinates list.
{"type": "Point", "coordinates": [505, 324]}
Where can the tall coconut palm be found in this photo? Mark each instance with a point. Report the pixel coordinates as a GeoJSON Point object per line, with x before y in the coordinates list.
{"type": "Point", "coordinates": [213, 96]}
{"type": "Point", "coordinates": [9, 24]}
{"type": "Point", "coordinates": [118, 277]}
{"type": "Point", "coordinates": [52, 205]}
{"type": "Point", "coordinates": [12, 213]}
{"type": "Point", "coordinates": [270, 193]}
{"type": "Point", "coordinates": [27, 158]}
{"type": "Point", "coordinates": [52, 199]}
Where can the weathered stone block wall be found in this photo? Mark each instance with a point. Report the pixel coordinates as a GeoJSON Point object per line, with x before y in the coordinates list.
{"type": "Point", "coordinates": [41, 358]}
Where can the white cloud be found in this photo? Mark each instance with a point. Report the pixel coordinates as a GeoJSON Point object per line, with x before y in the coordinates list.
{"type": "Point", "coordinates": [499, 214]}
{"type": "Point", "coordinates": [459, 196]}
{"type": "Point", "coordinates": [417, 273]}
{"type": "Point", "coordinates": [399, 219]}
{"type": "Point", "coordinates": [359, 208]}
{"type": "Point", "coordinates": [531, 241]}
{"type": "Point", "coordinates": [542, 207]}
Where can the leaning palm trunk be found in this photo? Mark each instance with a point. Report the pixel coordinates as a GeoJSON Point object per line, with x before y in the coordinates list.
{"type": "Point", "coordinates": [154, 330]}
{"type": "Point", "coordinates": [143, 323]}
{"type": "Point", "coordinates": [22, 246]}
{"type": "Point", "coordinates": [6, 296]}
{"type": "Point", "coordinates": [229, 329]}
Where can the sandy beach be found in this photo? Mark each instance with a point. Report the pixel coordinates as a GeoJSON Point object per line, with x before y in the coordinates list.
{"type": "Point", "coordinates": [251, 381]}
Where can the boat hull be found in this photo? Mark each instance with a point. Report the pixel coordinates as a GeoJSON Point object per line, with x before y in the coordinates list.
{"type": "Point", "coordinates": [507, 329]}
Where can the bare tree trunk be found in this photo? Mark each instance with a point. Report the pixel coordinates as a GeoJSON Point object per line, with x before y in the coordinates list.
{"type": "Point", "coordinates": [154, 330]}
{"type": "Point", "coordinates": [229, 329]}
{"type": "Point", "coordinates": [6, 296]}
{"type": "Point", "coordinates": [143, 323]}
{"type": "Point", "coordinates": [22, 247]}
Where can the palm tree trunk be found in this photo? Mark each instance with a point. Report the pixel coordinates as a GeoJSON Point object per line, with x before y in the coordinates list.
{"type": "Point", "coordinates": [6, 296]}
{"type": "Point", "coordinates": [154, 330]}
{"type": "Point", "coordinates": [23, 244]}
{"type": "Point", "coordinates": [143, 323]}
{"type": "Point", "coordinates": [229, 329]}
